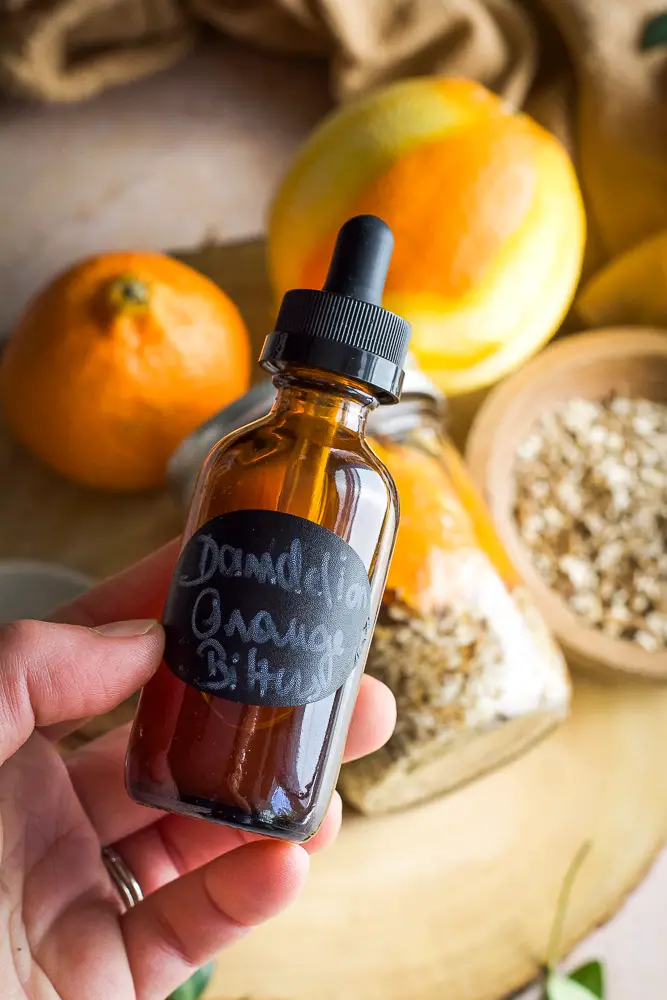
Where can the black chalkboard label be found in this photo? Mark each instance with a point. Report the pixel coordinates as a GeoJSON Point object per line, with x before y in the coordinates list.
{"type": "Point", "coordinates": [267, 608]}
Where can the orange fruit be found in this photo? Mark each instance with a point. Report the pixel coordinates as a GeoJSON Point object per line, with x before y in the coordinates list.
{"type": "Point", "coordinates": [486, 212]}
{"type": "Point", "coordinates": [630, 290]}
{"type": "Point", "coordinates": [114, 363]}
{"type": "Point", "coordinates": [433, 524]}
{"type": "Point", "coordinates": [441, 513]}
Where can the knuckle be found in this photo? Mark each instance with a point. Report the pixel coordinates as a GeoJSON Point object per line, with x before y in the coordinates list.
{"type": "Point", "coordinates": [172, 942]}
{"type": "Point", "coordinates": [19, 639]}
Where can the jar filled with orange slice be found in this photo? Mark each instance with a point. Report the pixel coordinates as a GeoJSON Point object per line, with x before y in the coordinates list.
{"type": "Point", "coordinates": [476, 675]}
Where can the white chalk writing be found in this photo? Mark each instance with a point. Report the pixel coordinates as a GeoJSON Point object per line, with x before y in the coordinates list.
{"type": "Point", "coordinates": [287, 572]}
{"type": "Point", "coordinates": [267, 609]}
{"type": "Point", "coordinates": [208, 623]}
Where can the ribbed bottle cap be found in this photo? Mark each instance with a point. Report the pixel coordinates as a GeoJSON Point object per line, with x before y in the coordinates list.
{"type": "Point", "coordinates": [343, 328]}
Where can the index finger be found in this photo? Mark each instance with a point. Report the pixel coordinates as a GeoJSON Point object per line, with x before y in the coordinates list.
{"type": "Point", "coordinates": [137, 592]}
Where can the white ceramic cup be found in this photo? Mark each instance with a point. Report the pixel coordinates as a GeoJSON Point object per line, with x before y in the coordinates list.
{"type": "Point", "coordinates": [33, 589]}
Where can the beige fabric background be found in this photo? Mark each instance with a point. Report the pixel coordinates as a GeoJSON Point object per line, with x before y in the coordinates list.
{"type": "Point", "coordinates": [577, 65]}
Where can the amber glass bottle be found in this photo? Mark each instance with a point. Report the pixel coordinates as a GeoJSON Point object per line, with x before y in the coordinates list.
{"type": "Point", "coordinates": [284, 560]}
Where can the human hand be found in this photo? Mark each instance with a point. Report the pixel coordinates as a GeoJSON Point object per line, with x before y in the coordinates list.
{"type": "Point", "coordinates": [63, 931]}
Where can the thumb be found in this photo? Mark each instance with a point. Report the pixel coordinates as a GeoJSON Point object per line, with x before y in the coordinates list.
{"type": "Point", "coordinates": [53, 673]}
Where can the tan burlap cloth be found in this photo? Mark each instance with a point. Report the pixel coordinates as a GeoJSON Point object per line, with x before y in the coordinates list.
{"type": "Point", "coordinates": [594, 71]}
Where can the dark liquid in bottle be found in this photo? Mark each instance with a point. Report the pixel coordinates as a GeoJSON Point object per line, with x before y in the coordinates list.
{"type": "Point", "coordinates": [271, 769]}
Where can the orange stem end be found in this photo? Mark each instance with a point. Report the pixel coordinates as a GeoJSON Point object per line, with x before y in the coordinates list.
{"type": "Point", "coordinates": [128, 293]}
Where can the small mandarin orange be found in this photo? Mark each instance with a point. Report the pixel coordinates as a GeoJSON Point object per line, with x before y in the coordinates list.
{"type": "Point", "coordinates": [113, 364]}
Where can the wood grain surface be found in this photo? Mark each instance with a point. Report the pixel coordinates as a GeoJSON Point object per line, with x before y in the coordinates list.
{"type": "Point", "coordinates": [449, 900]}
{"type": "Point", "coordinates": [453, 900]}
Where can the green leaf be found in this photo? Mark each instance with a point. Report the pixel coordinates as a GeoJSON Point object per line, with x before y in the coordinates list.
{"type": "Point", "coordinates": [590, 975]}
{"type": "Point", "coordinates": [655, 32]}
{"type": "Point", "coordinates": [563, 988]}
{"type": "Point", "coordinates": [195, 986]}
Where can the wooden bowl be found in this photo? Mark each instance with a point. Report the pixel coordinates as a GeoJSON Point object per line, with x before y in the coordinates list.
{"type": "Point", "coordinates": [629, 361]}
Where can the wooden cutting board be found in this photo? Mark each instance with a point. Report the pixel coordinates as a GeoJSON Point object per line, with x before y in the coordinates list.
{"type": "Point", "coordinates": [449, 901]}
{"type": "Point", "coordinates": [453, 900]}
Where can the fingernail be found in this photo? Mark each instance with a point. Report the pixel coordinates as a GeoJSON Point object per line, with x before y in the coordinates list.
{"type": "Point", "coordinates": [125, 630]}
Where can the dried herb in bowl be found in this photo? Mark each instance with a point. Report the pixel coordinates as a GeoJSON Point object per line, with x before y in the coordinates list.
{"type": "Point", "coordinates": [591, 505]}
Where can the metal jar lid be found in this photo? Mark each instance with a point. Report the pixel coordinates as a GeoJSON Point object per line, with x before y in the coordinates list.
{"type": "Point", "coordinates": [186, 461]}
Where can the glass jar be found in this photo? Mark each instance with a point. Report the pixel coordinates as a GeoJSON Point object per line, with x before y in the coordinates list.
{"type": "Point", "coordinates": [476, 675]}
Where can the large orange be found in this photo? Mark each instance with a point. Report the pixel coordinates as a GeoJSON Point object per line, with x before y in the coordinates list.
{"type": "Point", "coordinates": [118, 360]}
{"type": "Point", "coordinates": [484, 205]}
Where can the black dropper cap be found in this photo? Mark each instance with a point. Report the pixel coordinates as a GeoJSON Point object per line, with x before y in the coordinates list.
{"type": "Point", "coordinates": [343, 327]}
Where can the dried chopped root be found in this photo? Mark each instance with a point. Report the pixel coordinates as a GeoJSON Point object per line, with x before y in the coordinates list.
{"type": "Point", "coordinates": [475, 684]}
{"type": "Point", "coordinates": [591, 505]}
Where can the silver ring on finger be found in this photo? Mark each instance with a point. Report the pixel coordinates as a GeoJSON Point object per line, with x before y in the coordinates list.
{"type": "Point", "coordinates": [123, 878]}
